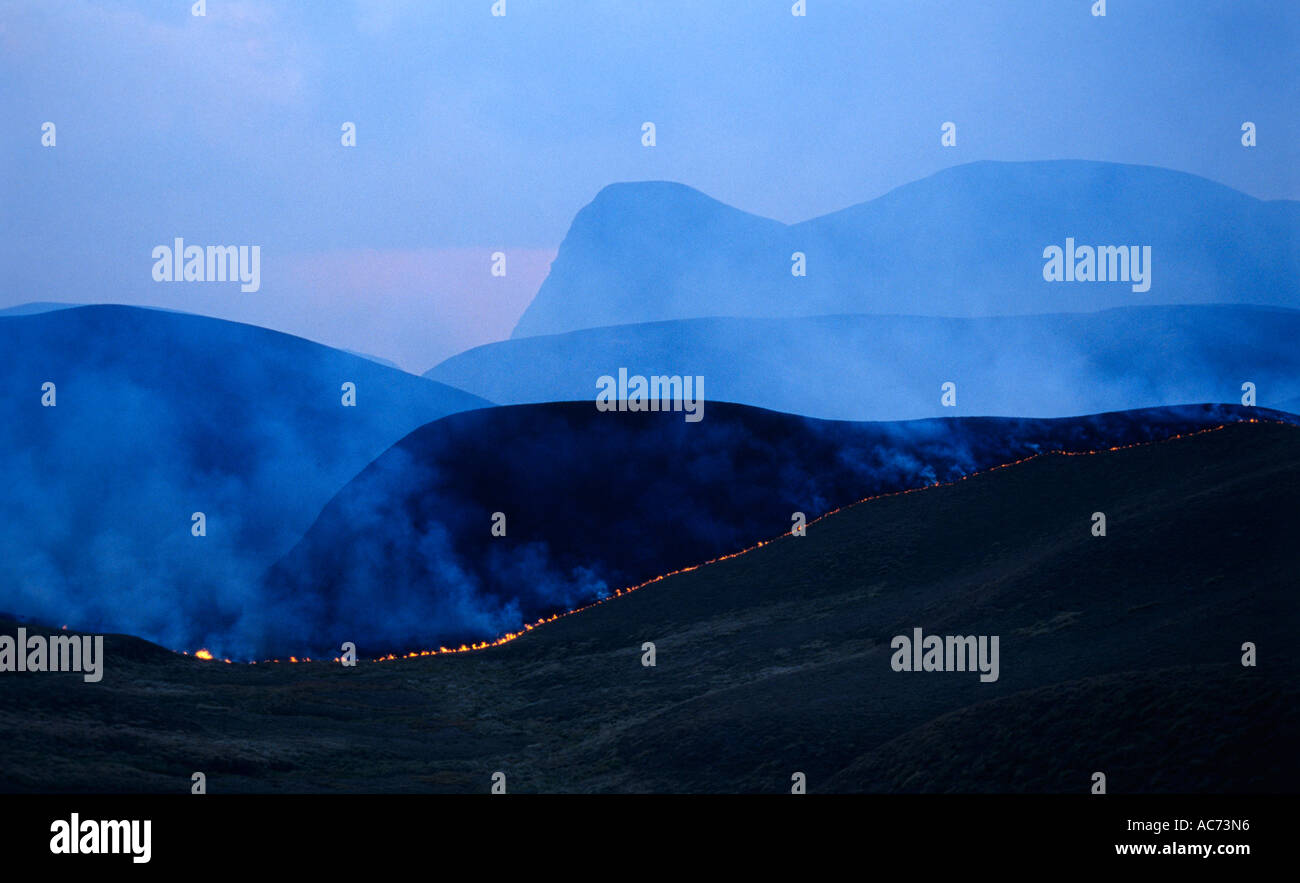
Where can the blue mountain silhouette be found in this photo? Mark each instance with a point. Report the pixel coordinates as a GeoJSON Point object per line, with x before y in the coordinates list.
{"type": "Point", "coordinates": [967, 241]}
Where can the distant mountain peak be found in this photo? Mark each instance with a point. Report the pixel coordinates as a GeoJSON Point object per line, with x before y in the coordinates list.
{"type": "Point", "coordinates": [965, 241]}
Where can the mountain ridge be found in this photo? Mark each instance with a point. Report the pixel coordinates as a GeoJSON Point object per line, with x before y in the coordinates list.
{"type": "Point", "coordinates": [965, 241]}
{"type": "Point", "coordinates": [891, 367]}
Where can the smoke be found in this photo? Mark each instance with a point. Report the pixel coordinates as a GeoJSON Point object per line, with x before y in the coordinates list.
{"type": "Point", "coordinates": [860, 367]}
{"type": "Point", "coordinates": [158, 416]}
{"type": "Point", "coordinates": [404, 558]}
{"type": "Point", "coordinates": [163, 415]}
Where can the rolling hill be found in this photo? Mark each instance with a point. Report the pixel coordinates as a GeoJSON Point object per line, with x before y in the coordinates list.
{"type": "Point", "coordinates": [158, 415]}
{"type": "Point", "coordinates": [404, 557]}
{"type": "Point", "coordinates": [863, 367]}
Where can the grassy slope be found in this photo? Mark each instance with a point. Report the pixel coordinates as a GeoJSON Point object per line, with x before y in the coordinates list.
{"type": "Point", "coordinates": [1117, 654]}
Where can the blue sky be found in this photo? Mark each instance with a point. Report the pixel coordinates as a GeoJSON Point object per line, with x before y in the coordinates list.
{"type": "Point", "coordinates": [478, 134]}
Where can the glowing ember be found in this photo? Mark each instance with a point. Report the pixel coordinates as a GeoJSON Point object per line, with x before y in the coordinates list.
{"type": "Point", "coordinates": [202, 654]}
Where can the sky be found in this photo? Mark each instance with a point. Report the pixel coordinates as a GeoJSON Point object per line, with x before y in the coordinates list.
{"type": "Point", "coordinates": [477, 133]}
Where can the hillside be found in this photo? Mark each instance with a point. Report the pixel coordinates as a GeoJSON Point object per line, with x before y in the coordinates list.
{"type": "Point", "coordinates": [158, 415]}
{"type": "Point", "coordinates": [404, 558]}
{"type": "Point", "coordinates": [1119, 654]}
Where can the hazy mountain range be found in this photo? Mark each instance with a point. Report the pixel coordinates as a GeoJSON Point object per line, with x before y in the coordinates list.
{"type": "Point", "coordinates": [377, 517]}
{"type": "Point", "coordinates": [967, 241]}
